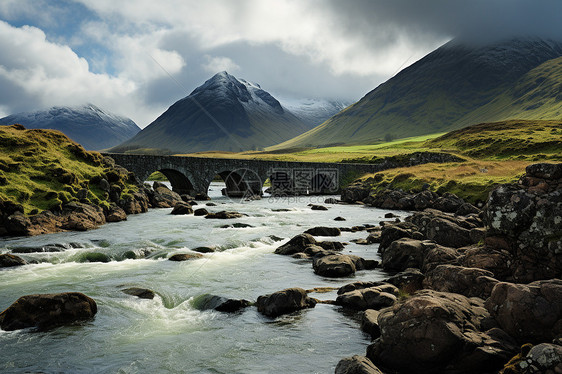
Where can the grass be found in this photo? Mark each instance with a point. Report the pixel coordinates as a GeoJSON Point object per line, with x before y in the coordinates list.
{"type": "Point", "coordinates": [496, 153]}
{"type": "Point", "coordinates": [43, 169]}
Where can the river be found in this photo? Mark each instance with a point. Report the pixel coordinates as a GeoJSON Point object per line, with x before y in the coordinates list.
{"type": "Point", "coordinates": [167, 334]}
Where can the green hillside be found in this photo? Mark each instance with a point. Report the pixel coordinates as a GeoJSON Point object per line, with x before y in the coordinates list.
{"type": "Point", "coordinates": [537, 95]}
{"type": "Point", "coordinates": [43, 169]}
{"type": "Point", "coordinates": [454, 86]}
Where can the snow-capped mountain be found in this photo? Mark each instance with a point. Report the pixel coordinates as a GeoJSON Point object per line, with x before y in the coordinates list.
{"type": "Point", "coordinates": [88, 125]}
{"type": "Point", "coordinates": [223, 114]}
{"type": "Point", "coordinates": [314, 111]}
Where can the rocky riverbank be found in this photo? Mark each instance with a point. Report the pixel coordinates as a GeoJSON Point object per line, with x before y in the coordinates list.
{"type": "Point", "coordinates": [469, 290]}
{"type": "Point", "coordinates": [467, 300]}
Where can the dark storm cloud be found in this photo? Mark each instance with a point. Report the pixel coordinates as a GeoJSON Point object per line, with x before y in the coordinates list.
{"type": "Point", "coordinates": [474, 20]}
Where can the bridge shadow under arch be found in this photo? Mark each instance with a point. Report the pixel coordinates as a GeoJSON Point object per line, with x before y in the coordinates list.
{"type": "Point", "coordinates": [240, 183]}
{"type": "Point", "coordinates": [179, 181]}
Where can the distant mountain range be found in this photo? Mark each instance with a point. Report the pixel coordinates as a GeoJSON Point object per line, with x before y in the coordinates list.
{"type": "Point", "coordinates": [226, 114]}
{"type": "Point", "coordinates": [88, 125]}
{"type": "Point", "coordinates": [454, 86]}
{"type": "Point", "coordinates": [314, 111]}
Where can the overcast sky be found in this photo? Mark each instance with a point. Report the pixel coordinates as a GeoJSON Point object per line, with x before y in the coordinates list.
{"type": "Point", "coordinates": [137, 57]}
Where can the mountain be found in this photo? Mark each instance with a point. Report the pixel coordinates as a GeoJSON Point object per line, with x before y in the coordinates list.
{"type": "Point", "coordinates": [225, 114]}
{"type": "Point", "coordinates": [314, 111]}
{"type": "Point", "coordinates": [88, 125]}
{"type": "Point", "coordinates": [439, 92]}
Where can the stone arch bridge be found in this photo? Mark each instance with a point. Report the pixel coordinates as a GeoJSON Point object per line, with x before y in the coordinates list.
{"type": "Point", "coordinates": [192, 175]}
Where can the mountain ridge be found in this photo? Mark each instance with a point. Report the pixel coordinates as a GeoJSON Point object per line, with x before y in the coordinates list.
{"type": "Point", "coordinates": [224, 113]}
{"type": "Point", "coordinates": [431, 95]}
{"type": "Point", "coordinates": [89, 125]}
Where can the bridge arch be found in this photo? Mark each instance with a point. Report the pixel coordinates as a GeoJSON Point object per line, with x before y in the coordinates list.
{"type": "Point", "coordinates": [179, 181]}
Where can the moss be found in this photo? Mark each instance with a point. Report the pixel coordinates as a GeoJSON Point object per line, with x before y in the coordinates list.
{"type": "Point", "coordinates": [42, 169]}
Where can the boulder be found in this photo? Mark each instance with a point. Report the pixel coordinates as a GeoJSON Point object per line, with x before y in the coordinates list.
{"type": "Point", "coordinates": [409, 280]}
{"type": "Point", "coordinates": [201, 196]}
{"type": "Point", "coordinates": [393, 232]}
{"type": "Point", "coordinates": [530, 313]}
{"type": "Point", "coordinates": [115, 214]}
{"type": "Point", "coordinates": [223, 214]}
{"type": "Point", "coordinates": [9, 260]}
{"type": "Point", "coordinates": [356, 365]}
{"type": "Point", "coordinates": [283, 302]}
{"type": "Point", "coordinates": [204, 249]}
{"type": "Point", "coordinates": [402, 254]}
{"type": "Point", "coordinates": [185, 256]}
{"type": "Point", "coordinates": [497, 261]}
{"type": "Point", "coordinates": [141, 293]}
{"type": "Point", "coordinates": [339, 219]}
{"type": "Point", "coordinates": [82, 217]}
{"type": "Point", "coordinates": [358, 286]}
{"type": "Point", "coordinates": [543, 358]}
{"type": "Point", "coordinates": [448, 202]}
{"type": "Point", "coordinates": [436, 255]}
{"type": "Point", "coordinates": [163, 197]}
{"type": "Point", "coordinates": [323, 231]}
{"type": "Point", "coordinates": [470, 282]}
{"type": "Point", "coordinates": [334, 266]}
{"type": "Point", "coordinates": [370, 323]}
{"type": "Point", "coordinates": [331, 246]}
{"type": "Point", "coordinates": [318, 207]}
{"type": "Point", "coordinates": [354, 193]}
{"type": "Point", "coordinates": [44, 311]}
{"type": "Point", "coordinates": [296, 244]}
{"type": "Point", "coordinates": [466, 209]}
{"type": "Point", "coordinates": [200, 212]}
{"type": "Point", "coordinates": [182, 208]}
{"type": "Point", "coordinates": [331, 200]}
{"type": "Point", "coordinates": [369, 298]}
{"type": "Point", "coordinates": [524, 219]}
{"type": "Point", "coordinates": [432, 330]}
{"type": "Point", "coordinates": [219, 303]}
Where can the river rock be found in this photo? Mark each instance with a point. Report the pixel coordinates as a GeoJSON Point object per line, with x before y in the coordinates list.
{"type": "Point", "coordinates": [331, 200]}
{"type": "Point", "coordinates": [45, 311]}
{"type": "Point", "coordinates": [9, 260]}
{"type": "Point", "coordinates": [436, 255]}
{"type": "Point", "coordinates": [339, 219]}
{"type": "Point", "coordinates": [223, 214]}
{"type": "Point", "coordinates": [163, 197]}
{"type": "Point", "coordinates": [370, 323]}
{"type": "Point", "coordinates": [202, 196]}
{"type": "Point", "coordinates": [141, 293]}
{"type": "Point", "coordinates": [182, 208]}
{"type": "Point", "coordinates": [530, 313]}
{"type": "Point", "coordinates": [318, 207]}
{"type": "Point", "coordinates": [466, 209]}
{"type": "Point", "coordinates": [355, 192]}
{"type": "Point", "coordinates": [432, 330]}
{"type": "Point", "coordinates": [82, 217]}
{"type": "Point", "coordinates": [219, 303]}
{"type": "Point", "coordinates": [358, 286]}
{"type": "Point", "coordinates": [137, 203]}
{"type": "Point", "coordinates": [334, 266]}
{"type": "Point", "coordinates": [470, 282]}
{"type": "Point", "coordinates": [204, 249]}
{"type": "Point", "coordinates": [296, 244]}
{"type": "Point", "coordinates": [283, 302]}
{"type": "Point", "coordinates": [369, 298]}
{"type": "Point", "coordinates": [409, 280]}
{"type": "Point", "coordinates": [542, 358]}
{"type": "Point", "coordinates": [356, 365]}
{"type": "Point", "coordinates": [115, 214]}
{"type": "Point", "coordinates": [448, 202]}
{"type": "Point", "coordinates": [323, 231]}
{"type": "Point", "coordinates": [397, 231]}
{"type": "Point", "coordinates": [403, 253]}
{"type": "Point", "coordinates": [200, 212]}
{"type": "Point", "coordinates": [497, 261]}
{"type": "Point", "coordinates": [330, 245]}
{"type": "Point", "coordinates": [185, 256]}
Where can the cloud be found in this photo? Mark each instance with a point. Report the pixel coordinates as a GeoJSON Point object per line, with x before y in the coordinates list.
{"type": "Point", "coordinates": [137, 57]}
{"type": "Point", "coordinates": [216, 64]}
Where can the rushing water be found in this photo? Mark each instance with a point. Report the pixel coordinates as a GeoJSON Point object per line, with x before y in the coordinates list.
{"type": "Point", "coordinates": [167, 334]}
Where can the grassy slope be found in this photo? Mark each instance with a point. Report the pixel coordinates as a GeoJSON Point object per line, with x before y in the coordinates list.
{"type": "Point", "coordinates": [537, 95]}
{"type": "Point", "coordinates": [42, 169]}
{"type": "Point", "coordinates": [495, 152]}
